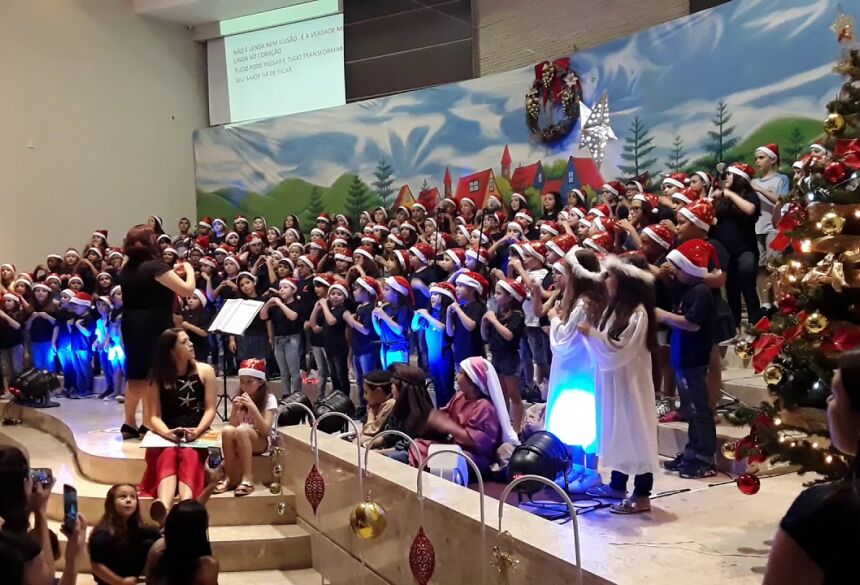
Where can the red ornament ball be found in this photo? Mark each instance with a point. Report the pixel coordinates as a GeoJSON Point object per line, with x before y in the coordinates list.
{"type": "Point", "coordinates": [748, 484]}
{"type": "Point", "coordinates": [757, 456]}
{"type": "Point", "coordinates": [835, 172]}
{"type": "Point", "coordinates": [787, 304]}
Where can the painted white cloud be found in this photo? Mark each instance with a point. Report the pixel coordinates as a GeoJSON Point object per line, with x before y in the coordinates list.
{"type": "Point", "coordinates": [799, 18]}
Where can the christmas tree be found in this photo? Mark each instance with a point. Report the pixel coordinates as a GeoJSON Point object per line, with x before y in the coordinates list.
{"type": "Point", "coordinates": [817, 287]}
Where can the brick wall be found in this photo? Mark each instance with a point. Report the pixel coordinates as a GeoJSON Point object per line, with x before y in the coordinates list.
{"type": "Point", "coordinates": [516, 33]}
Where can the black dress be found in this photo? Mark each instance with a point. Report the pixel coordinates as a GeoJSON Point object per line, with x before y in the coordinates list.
{"type": "Point", "coordinates": [147, 312]}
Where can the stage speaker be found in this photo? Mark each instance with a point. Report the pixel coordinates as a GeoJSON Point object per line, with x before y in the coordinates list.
{"type": "Point", "coordinates": [541, 454]}
{"type": "Point", "coordinates": [337, 401]}
{"type": "Point", "coordinates": [289, 414]}
{"type": "Point", "coordinates": [33, 387]}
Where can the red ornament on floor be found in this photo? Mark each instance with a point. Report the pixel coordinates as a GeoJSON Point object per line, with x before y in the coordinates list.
{"type": "Point", "coordinates": [748, 484]}
{"type": "Point", "coordinates": [314, 488]}
{"type": "Point", "coordinates": [422, 558]}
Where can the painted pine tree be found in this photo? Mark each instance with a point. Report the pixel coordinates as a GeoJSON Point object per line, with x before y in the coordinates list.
{"type": "Point", "coordinates": [638, 145]}
{"type": "Point", "coordinates": [722, 139]}
{"type": "Point", "coordinates": [796, 143]}
{"type": "Point", "coordinates": [384, 181]}
{"type": "Point", "coordinates": [357, 198]}
{"type": "Point", "coordinates": [315, 207]}
{"type": "Point", "coordinates": [678, 160]}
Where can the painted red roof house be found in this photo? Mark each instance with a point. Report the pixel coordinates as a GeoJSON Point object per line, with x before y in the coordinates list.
{"type": "Point", "coordinates": [580, 172]}
{"type": "Point", "coordinates": [429, 198]}
{"type": "Point", "coordinates": [528, 176]}
{"type": "Point", "coordinates": [552, 186]}
{"type": "Point", "coordinates": [404, 198]}
{"type": "Point", "coordinates": [478, 187]}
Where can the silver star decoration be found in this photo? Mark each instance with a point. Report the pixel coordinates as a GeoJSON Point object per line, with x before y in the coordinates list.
{"type": "Point", "coordinates": [596, 131]}
{"type": "Point", "coordinates": [188, 399]}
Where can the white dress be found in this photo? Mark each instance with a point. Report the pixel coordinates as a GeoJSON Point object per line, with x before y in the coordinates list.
{"type": "Point", "coordinates": [625, 397]}
{"type": "Point", "coordinates": [570, 405]}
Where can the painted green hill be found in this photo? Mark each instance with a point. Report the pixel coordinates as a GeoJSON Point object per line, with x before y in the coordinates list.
{"type": "Point", "coordinates": [214, 205]}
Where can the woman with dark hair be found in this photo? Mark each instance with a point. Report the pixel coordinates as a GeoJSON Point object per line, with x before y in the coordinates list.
{"type": "Point", "coordinates": [180, 400]}
{"type": "Point", "coordinates": [621, 346]}
{"type": "Point", "coordinates": [20, 496]}
{"type": "Point", "coordinates": [121, 540]}
{"type": "Point", "coordinates": [737, 208]}
{"type": "Point", "coordinates": [184, 555]}
{"type": "Point", "coordinates": [149, 287]}
{"type": "Point", "coordinates": [817, 539]}
{"type": "Point", "coordinates": [156, 224]}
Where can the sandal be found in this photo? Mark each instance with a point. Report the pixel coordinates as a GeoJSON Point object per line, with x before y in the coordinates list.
{"type": "Point", "coordinates": [128, 432]}
{"type": "Point", "coordinates": [223, 486]}
{"type": "Point", "coordinates": [634, 505]}
{"type": "Point", "coordinates": [244, 489]}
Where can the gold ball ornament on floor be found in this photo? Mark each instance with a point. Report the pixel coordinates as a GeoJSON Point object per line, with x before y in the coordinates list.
{"type": "Point", "coordinates": [815, 323]}
{"type": "Point", "coordinates": [728, 450]}
{"type": "Point", "coordinates": [832, 223]}
{"type": "Point", "coordinates": [773, 374]}
{"type": "Point", "coordinates": [834, 124]}
{"type": "Point", "coordinates": [367, 520]}
{"type": "Point", "coordinates": [744, 349]}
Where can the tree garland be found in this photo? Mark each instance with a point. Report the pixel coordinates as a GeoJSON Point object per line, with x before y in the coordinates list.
{"type": "Point", "coordinates": [552, 101]}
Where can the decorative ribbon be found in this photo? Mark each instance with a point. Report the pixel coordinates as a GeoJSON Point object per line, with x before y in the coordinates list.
{"type": "Point", "coordinates": [768, 345]}
{"type": "Point", "coordinates": [558, 67]}
{"type": "Point", "coordinates": [792, 217]}
{"type": "Point", "coordinates": [844, 338]}
{"type": "Point", "coordinates": [848, 152]}
{"type": "Point", "coordinates": [828, 271]}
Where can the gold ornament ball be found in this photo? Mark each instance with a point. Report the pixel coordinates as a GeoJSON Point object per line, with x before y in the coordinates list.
{"type": "Point", "coordinates": [834, 124]}
{"type": "Point", "coordinates": [773, 374]}
{"type": "Point", "coordinates": [367, 520]}
{"type": "Point", "coordinates": [278, 470]}
{"type": "Point", "coordinates": [816, 323]}
{"type": "Point", "coordinates": [728, 450]}
{"type": "Point", "coordinates": [282, 508]}
{"type": "Point", "coordinates": [744, 349]}
{"type": "Point", "coordinates": [832, 223]}
{"type": "Point", "coordinates": [275, 488]}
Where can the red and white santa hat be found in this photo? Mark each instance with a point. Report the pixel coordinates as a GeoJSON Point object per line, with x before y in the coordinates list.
{"type": "Point", "coordinates": [246, 274]}
{"type": "Point", "coordinates": [405, 210]}
{"type": "Point", "coordinates": [294, 232]}
{"type": "Point", "coordinates": [679, 180]}
{"type": "Point", "coordinates": [562, 244]}
{"type": "Point", "coordinates": [640, 188]}
{"type": "Point", "coordinates": [10, 296]}
{"type": "Point", "coordinates": [770, 150]}
{"type": "Point", "coordinates": [54, 278]}
{"type": "Point", "coordinates": [401, 285]}
{"type": "Point", "coordinates": [402, 259]}
{"type": "Point", "coordinates": [324, 217]}
{"type": "Point", "coordinates": [599, 242]}
{"type": "Point", "coordinates": [114, 253]}
{"type": "Point", "coordinates": [365, 251]}
{"type": "Point", "coordinates": [692, 257]}
{"type": "Point", "coordinates": [288, 283]}
{"type": "Point", "coordinates": [475, 281]}
{"type": "Point", "coordinates": [648, 198]}
{"type": "Point", "coordinates": [701, 213]}
{"type": "Point", "coordinates": [522, 198]}
{"type": "Point", "coordinates": [71, 251]}
{"type": "Point", "coordinates": [240, 218]}
{"type": "Point", "coordinates": [578, 269]}
{"type": "Point", "coordinates": [422, 251]}
{"type": "Point", "coordinates": [82, 298]}
{"type": "Point", "coordinates": [201, 296]}
{"type": "Point", "coordinates": [381, 227]}
{"type": "Point", "coordinates": [319, 245]}
{"type": "Point", "coordinates": [369, 284]}
{"type": "Point", "coordinates": [444, 288]}
{"type": "Point", "coordinates": [170, 250]}
{"type": "Point", "coordinates": [77, 279]}
{"type": "Point", "coordinates": [686, 195]}
{"type": "Point", "coordinates": [299, 245]}
{"type": "Point", "coordinates": [524, 216]}
{"type": "Point", "coordinates": [409, 225]}
{"type": "Point", "coordinates": [514, 288]}
{"type": "Point", "coordinates": [41, 286]}
{"type": "Point", "coordinates": [218, 221]}
{"type": "Point", "coordinates": [48, 257]}
{"type": "Point", "coordinates": [344, 254]}
{"type": "Point", "coordinates": [458, 255]}
{"type": "Point", "coordinates": [306, 260]}
{"type": "Point", "coordinates": [706, 178]}
{"type": "Point", "coordinates": [482, 374]}
{"type": "Point", "coordinates": [232, 260]}
{"type": "Point", "coordinates": [343, 231]}
{"type": "Point", "coordinates": [536, 249]}
{"type": "Point", "coordinates": [317, 233]}
{"type": "Point", "coordinates": [601, 210]}
{"type": "Point", "coordinates": [208, 261]}
{"type": "Point", "coordinates": [253, 367]}
{"type": "Point", "coordinates": [395, 239]}
{"type": "Point", "coordinates": [551, 227]}
{"type": "Point", "coordinates": [515, 225]}
{"type": "Point", "coordinates": [605, 224]}
{"type": "Point", "coordinates": [481, 255]}
{"type": "Point", "coordinates": [205, 222]}
{"type": "Point", "coordinates": [468, 200]}
{"type": "Point", "coordinates": [614, 187]}
{"type": "Point", "coordinates": [419, 205]}
{"type": "Point", "coordinates": [483, 237]}
{"type": "Point", "coordinates": [369, 240]}
{"type": "Point", "coordinates": [742, 170]}
{"type": "Point", "coordinates": [339, 284]}
{"type": "Point", "coordinates": [493, 199]}
{"type": "Point", "coordinates": [103, 234]}
{"type": "Point", "coordinates": [448, 201]}
{"type": "Point", "coordinates": [96, 251]}
{"type": "Point", "coordinates": [798, 164]}
{"type": "Point", "coordinates": [579, 195]}
{"type": "Point", "coordinates": [818, 149]}
{"type": "Point", "coordinates": [660, 234]}
{"type": "Point", "coordinates": [325, 279]}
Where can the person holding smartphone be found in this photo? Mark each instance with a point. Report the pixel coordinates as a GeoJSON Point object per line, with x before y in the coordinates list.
{"type": "Point", "coordinates": [180, 400]}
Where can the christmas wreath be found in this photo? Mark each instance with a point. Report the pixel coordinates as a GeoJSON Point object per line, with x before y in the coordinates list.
{"type": "Point", "coordinates": [552, 102]}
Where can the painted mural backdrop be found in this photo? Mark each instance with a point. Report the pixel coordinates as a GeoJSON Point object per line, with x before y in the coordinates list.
{"type": "Point", "coordinates": [708, 87]}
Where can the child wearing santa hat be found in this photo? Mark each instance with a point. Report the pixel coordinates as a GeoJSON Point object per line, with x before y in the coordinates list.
{"type": "Point", "coordinates": [11, 338]}
{"type": "Point", "coordinates": [365, 354]}
{"type": "Point", "coordinates": [770, 186]}
{"type": "Point", "coordinates": [40, 325]}
{"type": "Point", "coordinates": [534, 348]}
{"type": "Point", "coordinates": [282, 313]}
{"type": "Point", "coordinates": [430, 325]}
{"type": "Point", "coordinates": [392, 320]}
{"type": "Point", "coordinates": [195, 321]}
{"type": "Point", "coordinates": [692, 321]}
{"type": "Point", "coordinates": [333, 307]}
{"type": "Point", "coordinates": [82, 331]}
{"type": "Point", "coordinates": [463, 319]}
{"type": "Point", "coordinates": [503, 330]}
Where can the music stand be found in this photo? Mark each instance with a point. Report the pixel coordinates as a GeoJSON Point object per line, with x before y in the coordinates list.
{"type": "Point", "coordinates": [233, 319]}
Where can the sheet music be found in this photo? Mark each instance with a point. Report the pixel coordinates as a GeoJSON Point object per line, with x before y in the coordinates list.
{"type": "Point", "coordinates": [235, 316]}
{"type": "Point", "coordinates": [210, 438]}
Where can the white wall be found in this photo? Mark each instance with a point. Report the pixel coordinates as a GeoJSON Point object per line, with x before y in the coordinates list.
{"type": "Point", "coordinates": [98, 106]}
{"type": "Point", "coordinates": [516, 33]}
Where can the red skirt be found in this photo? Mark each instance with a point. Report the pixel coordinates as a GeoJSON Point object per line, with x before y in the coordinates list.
{"type": "Point", "coordinates": [183, 462]}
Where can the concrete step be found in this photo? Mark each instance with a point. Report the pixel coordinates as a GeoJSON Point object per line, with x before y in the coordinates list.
{"type": "Point", "coordinates": [244, 548]}
{"type": "Point", "coordinates": [745, 385]}
{"type": "Point", "coordinates": [294, 577]}
{"type": "Point", "coordinates": [45, 450]}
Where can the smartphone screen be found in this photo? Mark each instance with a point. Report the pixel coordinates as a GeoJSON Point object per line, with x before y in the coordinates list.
{"type": "Point", "coordinates": [41, 475]}
{"type": "Point", "coordinates": [70, 508]}
{"type": "Point", "coordinates": [215, 457]}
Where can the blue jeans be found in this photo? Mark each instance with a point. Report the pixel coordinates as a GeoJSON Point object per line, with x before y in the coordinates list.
{"type": "Point", "coordinates": [42, 353]}
{"type": "Point", "coordinates": [696, 405]}
{"type": "Point", "coordinates": [67, 365]}
{"type": "Point", "coordinates": [84, 371]}
{"type": "Point", "coordinates": [288, 354]}
{"type": "Point", "coordinates": [107, 370]}
{"type": "Point", "coordinates": [364, 363]}
{"type": "Point", "coordinates": [322, 368]}
{"type": "Point", "coordinates": [393, 356]}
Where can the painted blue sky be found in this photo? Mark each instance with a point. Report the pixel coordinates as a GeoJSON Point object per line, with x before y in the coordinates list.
{"type": "Point", "coordinates": [764, 58]}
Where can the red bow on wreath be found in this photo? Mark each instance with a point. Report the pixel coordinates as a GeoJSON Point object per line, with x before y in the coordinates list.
{"type": "Point", "coordinates": [848, 153]}
{"type": "Point", "coordinates": [558, 66]}
{"type": "Point", "coordinates": [768, 345]}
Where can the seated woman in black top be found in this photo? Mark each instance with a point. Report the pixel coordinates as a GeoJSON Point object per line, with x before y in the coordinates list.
{"type": "Point", "coordinates": [120, 541]}
{"type": "Point", "coordinates": [180, 400]}
{"type": "Point", "coordinates": [817, 539]}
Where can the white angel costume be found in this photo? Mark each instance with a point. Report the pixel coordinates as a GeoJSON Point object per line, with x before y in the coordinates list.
{"type": "Point", "coordinates": [625, 397]}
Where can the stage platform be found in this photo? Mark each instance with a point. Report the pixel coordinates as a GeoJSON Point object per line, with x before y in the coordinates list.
{"type": "Point", "coordinates": [708, 535]}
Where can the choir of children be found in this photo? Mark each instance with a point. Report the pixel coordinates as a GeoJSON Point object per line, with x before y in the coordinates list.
{"type": "Point", "coordinates": [578, 304]}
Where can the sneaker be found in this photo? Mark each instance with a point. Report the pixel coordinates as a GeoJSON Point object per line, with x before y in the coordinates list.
{"type": "Point", "coordinates": [589, 479]}
{"type": "Point", "coordinates": [674, 416]}
{"type": "Point", "coordinates": [603, 490]}
{"type": "Point", "coordinates": [697, 470]}
{"type": "Point", "coordinates": [675, 463]}
{"type": "Point", "coordinates": [106, 395]}
{"type": "Point", "coordinates": [665, 406]}
{"type": "Point", "coordinates": [120, 398]}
